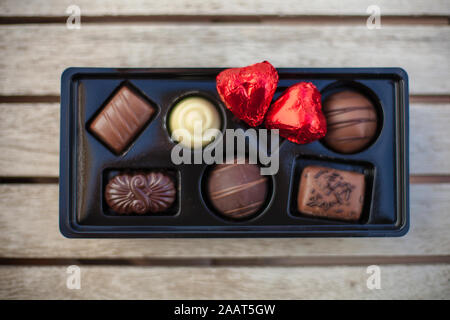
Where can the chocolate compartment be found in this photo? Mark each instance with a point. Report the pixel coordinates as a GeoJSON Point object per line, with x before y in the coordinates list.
{"type": "Point", "coordinates": [174, 175]}
{"type": "Point", "coordinates": [346, 85]}
{"type": "Point", "coordinates": [195, 93]}
{"type": "Point", "coordinates": [365, 168]}
{"type": "Point", "coordinates": [134, 90]}
{"type": "Point", "coordinates": [86, 162]}
{"type": "Point", "coordinates": [265, 207]}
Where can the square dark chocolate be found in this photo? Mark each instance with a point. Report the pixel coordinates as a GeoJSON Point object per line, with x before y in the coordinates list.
{"type": "Point", "coordinates": [122, 118]}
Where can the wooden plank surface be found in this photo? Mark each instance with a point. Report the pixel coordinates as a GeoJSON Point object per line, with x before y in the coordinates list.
{"type": "Point", "coordinates": [219, 7]}
{"type": "Point", "coordinates": [29, 139]}
{"type": "Point", "coordinates": [429, 139]}
{"type": "Point", "coordinates": [340, 282]}
{"type": "Point", "coordinates": [46, 50]}
{"type": "Point", "coordinates": [29, 229]}
{"type": "Point", "coordinates": [414, 35]}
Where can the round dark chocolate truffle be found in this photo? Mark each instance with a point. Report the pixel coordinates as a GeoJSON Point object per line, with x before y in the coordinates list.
{"type": "Point", "coordinates": [237, 191]}
{"type": "Point", "coordinates": [351, 121]}
{"type": "Point", "coordinates": [140, 193]}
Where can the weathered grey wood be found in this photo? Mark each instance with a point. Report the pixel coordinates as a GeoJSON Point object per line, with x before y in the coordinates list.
{"type": "Point", "coordinates": [219, 7]}
{"type": "Point", "coordinates": [34, 56]}
{"type": "Point", "coordinates": [29, 228]}
{"type": "Point", "coordinates": [429, 139]}
{"type": "Point", "coordinates": [29, 139]}
{"type": "Point", "coordinates": [397, 282]}
{"type": "Point", "coordinates": [46, 50]}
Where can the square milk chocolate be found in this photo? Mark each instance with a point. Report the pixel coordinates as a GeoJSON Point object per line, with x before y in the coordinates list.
{"type": "Point", "coordinates": [331, 193]}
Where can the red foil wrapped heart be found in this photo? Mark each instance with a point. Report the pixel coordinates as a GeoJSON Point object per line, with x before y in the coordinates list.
{"type": "Point", "coordinates": [248, 91]}
{"type": "Point", "coordinates": [297, 113]}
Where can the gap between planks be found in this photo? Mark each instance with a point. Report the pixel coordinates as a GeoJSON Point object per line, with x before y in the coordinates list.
{"type": "Point", "coordinates": [234, 262]}
{"type": "Point", "coordinates": [253, 19]}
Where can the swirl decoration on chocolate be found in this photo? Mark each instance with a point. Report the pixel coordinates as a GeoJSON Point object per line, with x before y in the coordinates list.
{"type": "Point", "coordinates": [140, 193]}
{"type": "Point", "coordinates": [191, 119]}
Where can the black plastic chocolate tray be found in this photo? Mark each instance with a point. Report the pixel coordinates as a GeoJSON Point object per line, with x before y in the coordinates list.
{"type": "Point", "coordinates": [86, 164]}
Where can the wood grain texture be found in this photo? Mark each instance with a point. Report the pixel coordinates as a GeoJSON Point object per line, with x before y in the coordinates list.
{"type": "Point", "coordinates": [234, 7]}
{"type": "Point", "coordinates": [429, 139]}
{"type": "Point", "coordinates": [29, 139]}
{"type": "Point", "coordinates": [33, 57]}
{"type": "Point", "coordinates": [340, 282]}
{"type": "Point", "coordinates": [46, 50]}
{"type": "Point", "coordinates": [29, 229]}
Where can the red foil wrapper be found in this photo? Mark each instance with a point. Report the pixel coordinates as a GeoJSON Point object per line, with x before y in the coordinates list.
{"type": "Point", "coordinates": [298, 114]}
{"type": "Point", "coordinates": [248, 91]}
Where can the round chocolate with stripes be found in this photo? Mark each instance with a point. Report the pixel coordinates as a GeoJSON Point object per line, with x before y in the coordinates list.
{"type": "Point", "coordinates": [237, 191]}
{"type": "Point", "coordinates": [351, 121]}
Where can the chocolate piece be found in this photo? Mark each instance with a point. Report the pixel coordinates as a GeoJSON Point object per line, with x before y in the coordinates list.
{"type": "Point", "coordinates": [191, 117]}
{"type": "Point", "coordinates": [331, 193]}
{"type": "Point", "coordinates": [237, 191]}
{"type": "Point", "coordinates": [297, 113]}
{"type": "Point", "coordinates": [140, 193]}
{"type": "Point", "coordinates": [121, 119]}
{"type": "Point", "coordinates": [351, 121]}
{"type": "Point", "coordinates": [248, 91]}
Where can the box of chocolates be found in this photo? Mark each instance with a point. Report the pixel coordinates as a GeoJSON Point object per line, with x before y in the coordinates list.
{"type": "Point", "coordinates": [234, 152]}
